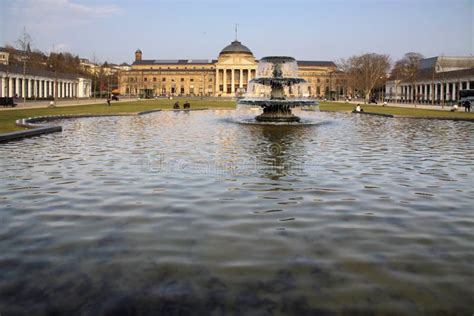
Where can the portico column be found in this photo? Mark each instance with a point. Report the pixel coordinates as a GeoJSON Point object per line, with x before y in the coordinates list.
{"type": "Point", "coordinates": [435, 96]}
{"type": "Point", "coordinates": [426, 92]}
{"type": "Point", "coordinates": [232, 88]}
{"type": "Point", "coordinates": [453, 93]}
{"type": "Point", "coordinates": [17, 86]}
{"type": "Point", "coordinates": [241, 78]}
{"type": "Point", "coordinates": [216, 91]}
{"type": "Point", "coordinates": [225, 80]}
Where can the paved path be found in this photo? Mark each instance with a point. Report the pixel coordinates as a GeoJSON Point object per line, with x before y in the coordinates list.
{"type": "Point", "coordinates": [61, 103]}
{"type": "Point", "coordinates": [410, 105]}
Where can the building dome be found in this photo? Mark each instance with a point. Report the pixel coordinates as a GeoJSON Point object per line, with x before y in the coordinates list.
{"type": "Point", "coordinates": [236, 47]}
{"type": "Point", "coordinates": [138, 51]}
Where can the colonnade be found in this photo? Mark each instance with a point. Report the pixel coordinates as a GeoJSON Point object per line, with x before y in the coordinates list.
{"type": "Point", "coordinates": [37, 87]}
{"type": "Point", "coordinates": [228, 80]}
{"type": "Point", "coordinates": [434, 92]}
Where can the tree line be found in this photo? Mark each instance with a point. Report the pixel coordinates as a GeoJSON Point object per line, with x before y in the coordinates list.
{"type": "Point", "coordinates": [368, 71]}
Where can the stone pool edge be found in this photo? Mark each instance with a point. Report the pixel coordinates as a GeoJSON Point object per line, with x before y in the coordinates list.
{"type": "Point", "coordinates": [36, 129]}
{"type": "Point", "coordinates": [441, 118]}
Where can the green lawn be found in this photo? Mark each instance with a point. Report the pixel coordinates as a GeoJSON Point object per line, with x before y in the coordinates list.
{"type": "Point", "coordinates": [8, 117]}
{"type": "Point", "coordinates": [334, 106]}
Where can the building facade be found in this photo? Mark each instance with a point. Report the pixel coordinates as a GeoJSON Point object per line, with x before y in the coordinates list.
{"type": "Point", "coordinates": [226, 76]}
{"type": "Point", "coordinates": [37, 84]}
{"type": "Point", "coordinates": [438, 81]}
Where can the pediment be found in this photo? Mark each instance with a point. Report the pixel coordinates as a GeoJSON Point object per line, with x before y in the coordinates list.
{"type": "Point", "coordinates": [236, 61]}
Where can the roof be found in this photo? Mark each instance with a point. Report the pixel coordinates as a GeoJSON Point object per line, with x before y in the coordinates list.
{"type": "Point", "coordinates": [36, 72]}
{"type": "Point", "coordinates": [235, 47]}
{"type": "Point", "coordinates": [174, 62]}
{"type": "Point", "coordinates": [430, 74]}
{"type": "Point", "coordinates": [447, 63]}
{"type": "Point", "coordinates": [315, 63]}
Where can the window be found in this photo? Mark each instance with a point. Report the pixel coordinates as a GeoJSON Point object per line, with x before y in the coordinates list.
{"type": "Point", "coordinates": [154, 79]}
{"type": "Point", "coordinates": [210, 79]}
{"type": "Point", "coordinates": [327, 80]}
{"type": "Point", "coordinates": [319, 80]}
{"type": "Point", "coordinates": [192, 80]}
{"type": "Point", "coordinates": [145, 79]}
{"type": "Point", "coordinates": [182, 79]}
{"type": "Point", "coordinates": [164, 79]}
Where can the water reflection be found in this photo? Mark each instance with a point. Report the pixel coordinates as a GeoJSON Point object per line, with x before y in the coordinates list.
{"type": "Point", "coordinates": [193, 214]}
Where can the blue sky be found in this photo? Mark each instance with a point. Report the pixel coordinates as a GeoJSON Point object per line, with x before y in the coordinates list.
{"type": "Point", "coordinates": [314, 30]}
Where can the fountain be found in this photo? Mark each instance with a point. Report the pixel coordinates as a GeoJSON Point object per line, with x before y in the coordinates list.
{"type": "Point", "coordinates": [276, 84]}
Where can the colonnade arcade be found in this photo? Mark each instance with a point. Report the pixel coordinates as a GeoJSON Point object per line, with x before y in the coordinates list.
{"type": "Point", "coordinates": [434, 92]}
{"type": "Point", "coordinates": [232, 80]}
{"type": "Point", "coordinates": [37, 87]}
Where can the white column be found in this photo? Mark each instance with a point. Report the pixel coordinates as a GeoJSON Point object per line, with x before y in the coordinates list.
{"type": "Point", "coordinates": [17, 86]}
{"type": "Point", "coordinates": [11, 93]}
{"type": "Point", "coordinates": [453, 93]}
{"type": "Point", "coordinates": [216, 91]}
{"type": "Point", "coordinates": [241, 78]}
{"type": "Point", "coordinates": [35, 88]}
{"type": "Point", "coordinates": [468, 85]}
{"type": "Point", "coordinates": [435, 92]}
{"type": "Point", "coordinates": [232, 88]}
{"type": "Point", "coordinates": [225, 81]}
{"type": "Point", "coordinates": [441, 92]}
{"type": "Point", "coordinates": [426, 92]}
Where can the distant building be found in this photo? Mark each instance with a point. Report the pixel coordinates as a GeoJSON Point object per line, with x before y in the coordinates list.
{"type": "Point", "coordinates": [437, 81]}
{"type": "Point", "coordinates": [226, 76]}
{"type": "Point", "coordinates": [39, 84]}
{"type": "Point", "coordinates": [4, 57]}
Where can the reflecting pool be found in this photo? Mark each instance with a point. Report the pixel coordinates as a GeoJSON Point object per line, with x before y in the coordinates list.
{"type": "Point", "coordinates": [179, 213]}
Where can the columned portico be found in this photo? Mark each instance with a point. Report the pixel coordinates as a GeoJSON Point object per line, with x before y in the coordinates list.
{"type": "Point", "coordinates": [232, 87]}
{"type": "Point", "coordinates": [241, 78]}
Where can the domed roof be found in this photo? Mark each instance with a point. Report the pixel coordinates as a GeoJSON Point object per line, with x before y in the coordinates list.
{"type": "Point", "coordinates": [236, 47]}
{"type": "Point", "coordinates": [138, 51]}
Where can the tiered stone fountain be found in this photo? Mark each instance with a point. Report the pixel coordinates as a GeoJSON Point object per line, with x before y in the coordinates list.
{"type": "Point", "coordinates": [276, 86]}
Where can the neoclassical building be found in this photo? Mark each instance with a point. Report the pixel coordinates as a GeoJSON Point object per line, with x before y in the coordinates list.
{"type": "Point", "coordinates": [227, 76]}
{"type": "Point", "coordinates": [437, 81]}
{"type": "Point", "coordinates": [40, 84]}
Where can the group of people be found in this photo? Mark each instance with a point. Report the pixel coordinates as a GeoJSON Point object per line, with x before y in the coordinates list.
{"type": "Point", "coordinates": [186, 105]}
{"type": "Point", "coordinates": [467, 107]}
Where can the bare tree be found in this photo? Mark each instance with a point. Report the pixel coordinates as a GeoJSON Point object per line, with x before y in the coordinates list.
{"type": "Point", "coordinates": [344, 67]}
{"type": "Point", "coordinates": [407, 69]}
{"type": "Point", "coordinates": [367, 71]}
{"type": "Point", "coordinates": [24, 45]}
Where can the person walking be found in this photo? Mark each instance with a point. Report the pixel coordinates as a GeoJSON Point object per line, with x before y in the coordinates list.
{"type": "Point", "coordinates": [467, 106]}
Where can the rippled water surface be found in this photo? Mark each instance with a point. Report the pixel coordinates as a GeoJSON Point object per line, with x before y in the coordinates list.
{"type": "Point", "coordinates": [179, 213]}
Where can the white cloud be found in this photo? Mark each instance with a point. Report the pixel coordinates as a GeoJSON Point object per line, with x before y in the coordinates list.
{"type": "Point", "coordinates": [62, 47]}
{"type": "Point", "coordinates": [64, 8]}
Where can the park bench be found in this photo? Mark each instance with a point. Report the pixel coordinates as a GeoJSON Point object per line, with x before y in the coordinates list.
{"type": "Point", "coordinates": [5, 101]}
